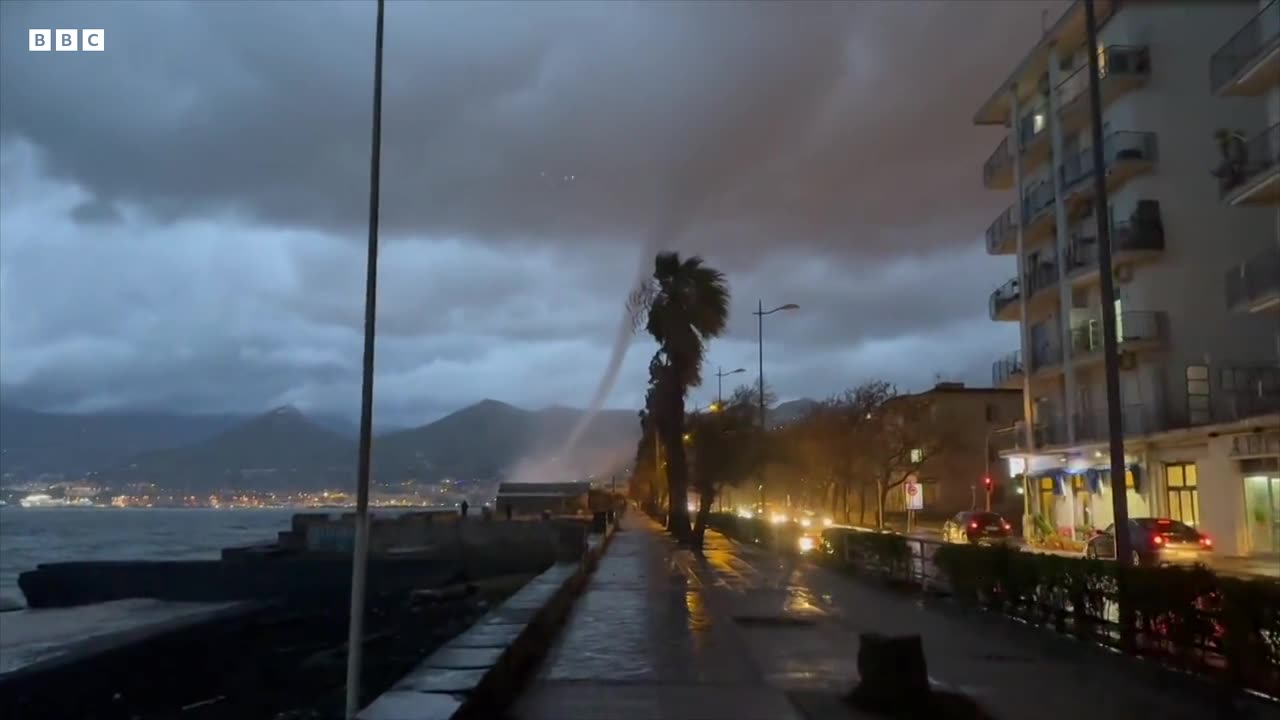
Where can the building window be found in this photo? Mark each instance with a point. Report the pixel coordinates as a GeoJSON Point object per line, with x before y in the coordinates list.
{"type": "Point", "coordinates": [917, 455]}
{"type": "Point", "coordinates": [993, 413]}
{"type": "Point", "coordinates": [1198, 410]}
{"type": "Point", "coordinates": [1037, 123]}
{"type": "Point", "coordinates": [1184, 493]}
{"type": "Point", "coordinates": [1046, 498]}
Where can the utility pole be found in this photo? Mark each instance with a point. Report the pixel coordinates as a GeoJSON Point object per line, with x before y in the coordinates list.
{"type": "Point", "coordinates": [360, 551]}
{"type": "Point", "coordinates": [1110, 344]}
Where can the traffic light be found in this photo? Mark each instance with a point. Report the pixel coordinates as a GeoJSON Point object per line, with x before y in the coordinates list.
{"type": "Point", "coordinates": [986, 483]}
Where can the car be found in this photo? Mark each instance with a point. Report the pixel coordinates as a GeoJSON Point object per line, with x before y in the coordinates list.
{"type": "Point", "coordinates": [977, 528]}
{"type": "Point", "coordinates": [1154, 541]}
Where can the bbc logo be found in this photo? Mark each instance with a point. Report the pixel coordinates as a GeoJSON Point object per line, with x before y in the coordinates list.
{"type": "Point", "coordinates": [89, 40]}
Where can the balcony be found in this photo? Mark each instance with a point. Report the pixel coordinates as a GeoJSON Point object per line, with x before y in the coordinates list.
{"type": "Point", "coordinates": [1135, 331]}
{"type": "Point", "coordinates": [1004, 301]}
{"type": "Point", "coordinates": [1135, 420]}
{"type": "Point", "coordinates": [1254, 285]}
{"type": "Point", "coordinates": [1045, 357]}
{"type": "Point", "coordinates": [1007, 371]}
{"type": "Point", "coordinates": [1251, 175]}
{"type": "Point", "coordinates": [997, 171]}
{"type": "Point", "coordinates": [1132, 243]}
{"type": "Point", "coordinates": [1249, 62]}
{"type": "Point", "coordinates": [1002, 234]}
{"type": "Point", "coordinates": [1037, 213]}
{"type": "Point", "coordinates": [1121, 68]}
{"type": "Point", "coordinates": [1033, 137]}
{"type": "Point", "coordinates": [1124, 154]}
{"type": "Point", "coordinates": [1037, 280]}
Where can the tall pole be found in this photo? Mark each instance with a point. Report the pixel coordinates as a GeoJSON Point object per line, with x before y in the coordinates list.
{"type": "Point", "coordinates": [1110, 349]}
{"type": "Point", "coordinates": [763, 426]}
{"type": "Point", "coordinates": [719, 386]}
{"type": "Point", "coordinates": [360, 552]}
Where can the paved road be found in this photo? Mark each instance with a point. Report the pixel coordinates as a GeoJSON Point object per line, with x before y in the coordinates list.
{"type": "Point", "coordinates": [745, 634]}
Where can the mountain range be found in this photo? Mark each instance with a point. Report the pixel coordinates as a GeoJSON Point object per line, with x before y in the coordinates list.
{"type": "Point", "coordinates": [288, 450]}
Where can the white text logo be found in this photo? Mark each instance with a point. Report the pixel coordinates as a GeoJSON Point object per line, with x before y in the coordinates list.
{"type": "Point", "coordinates": [89, 40]}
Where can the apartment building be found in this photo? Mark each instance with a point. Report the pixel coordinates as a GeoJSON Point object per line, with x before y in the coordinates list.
{"type": "Point", "coordinates": [1198, 382]}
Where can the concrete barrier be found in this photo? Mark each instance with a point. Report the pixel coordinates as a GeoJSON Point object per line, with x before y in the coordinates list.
{"type": "Point", "coordinates": [481, 671]}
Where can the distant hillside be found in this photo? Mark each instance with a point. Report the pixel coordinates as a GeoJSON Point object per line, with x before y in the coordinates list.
{"type": "Point", "coordinates": [36, 443]}
{"type": "Point", "coordinates": [490, 437]}
{"type": "Point", "coordinates": [286, 449]}
{"type": "Point", "coordinates": [791, 411]}
{"type": "Point", "coordinates": [281, 449]}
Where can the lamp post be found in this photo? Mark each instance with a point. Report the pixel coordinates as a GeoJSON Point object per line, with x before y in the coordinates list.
{"type": "Point", "coordinates": [720, 376]}
{"type": "Point", "coordinates": [760, 312]}
{"type": "Point", "coordinates": [360, 550]}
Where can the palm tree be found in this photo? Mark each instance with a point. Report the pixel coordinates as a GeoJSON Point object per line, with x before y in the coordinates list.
{"type": "Point", "coordinates": [688, 304]}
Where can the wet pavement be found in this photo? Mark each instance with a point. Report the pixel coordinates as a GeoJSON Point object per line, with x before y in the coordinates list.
{"type": "Point", "coordinates": [660, 633]}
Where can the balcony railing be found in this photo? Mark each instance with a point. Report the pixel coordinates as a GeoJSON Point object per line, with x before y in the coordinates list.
{"type": "Point", "coordinates": [1259, 156]}
{"type": "Point", "coordinates": [1001, 231]}
{"type": "Point", "coordinates": [1127, 236]}
{"type": "Point", "coordinates": [1248, 45]}
{"type": "Point", "coordinates": [1132, 327]}
{"type": "Point", "coordinates": [1254, 282]}
{"type": "Point", "coordinates": [1045, 355]}
{"type": "Point", "coordinates": [1041, 277]}
{"type": "Point", "coordinates": [1002, 296]}
{"type": "Point", "coordinates": [1037, 201]}
{"type": "Point", "coordinates": [1006, 368]}
{"type": "Point", "coordinates": [1117, 147]}
{"type": "Point", "coordinates": [997, 165]}
{"type": "Point", "coordinates": [1115, 61]}
{"type": "Point", "coordinates": [1093, 427]}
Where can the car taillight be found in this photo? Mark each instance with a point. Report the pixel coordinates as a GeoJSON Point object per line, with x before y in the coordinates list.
{"type": "Point", "coordinates": [1005, 524]}
{"type": "Point", "coordinates": [973, 525]}
{"type": "Point", "coordinates": [1157, 539]}
{"type": "Point", "coordinates": [1206, 541]}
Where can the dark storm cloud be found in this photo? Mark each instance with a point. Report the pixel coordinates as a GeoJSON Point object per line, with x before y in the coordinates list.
{"type": "Point", "coordinates": [183, 213]}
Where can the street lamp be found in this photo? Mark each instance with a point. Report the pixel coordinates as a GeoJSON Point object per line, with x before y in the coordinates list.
{"type": "Point", "coordinates": [760, 312]}
{"type": "Point", "coordinates": [720, 376]}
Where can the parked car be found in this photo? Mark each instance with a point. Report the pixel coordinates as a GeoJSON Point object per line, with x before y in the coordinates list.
{"type": "Point", "coordinates": [977, 527]}
{"type": "Point", "coordinates": [1154, 541]}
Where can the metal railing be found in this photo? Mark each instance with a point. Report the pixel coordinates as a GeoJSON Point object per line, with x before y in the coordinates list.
{"type": "Point", "coordinates": [1006, 367]}
{"type": "Point", "coordinates": [1045, 355]}
{"type": "Point", "coordinates": [1244, 47]}
{"type": "Point", "coordinates": [997, 163]}
{"type": "Point", "coordinates": [998, 233]}
{"type": "Point", "coordinates": [1037, 201]}
{"type": "Point", "coordinates": [1126, 236]}
{"type": "Point", "coordinates": [1117, 147]}
{"type": "Point", "coordinates": [1041, 277]}
{"type": "Point", "coordinates": [1132, 326]}
{"type": "Point", "coordinates": [1260, 154]}
{"type": "Point", "coordinates": [1002, 296]}
{"type": "Point", "coordinates": [1254, 280]}
{"type": "Point", "coordinates": [1116, 60]}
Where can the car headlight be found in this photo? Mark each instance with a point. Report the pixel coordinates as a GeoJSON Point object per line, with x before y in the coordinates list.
{"type": "Point", "coordinates": [806, 544]}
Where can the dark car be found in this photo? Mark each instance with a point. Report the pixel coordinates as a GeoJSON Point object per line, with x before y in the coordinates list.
{"type": "Point", "coordinates": [977, 527]}
{"type": "Point", "coordinates": [1154, 541]}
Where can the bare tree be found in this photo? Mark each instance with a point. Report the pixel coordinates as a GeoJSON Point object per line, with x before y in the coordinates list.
{"type": "Point", "coordinates": [907, 439]}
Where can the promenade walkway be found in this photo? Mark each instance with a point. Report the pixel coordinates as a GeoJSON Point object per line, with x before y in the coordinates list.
{"type": "Point", "coordinates": [745, 634]}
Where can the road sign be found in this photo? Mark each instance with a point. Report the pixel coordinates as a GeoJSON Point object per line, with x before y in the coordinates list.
{"type": "Point", "coordinates": [915, 498]}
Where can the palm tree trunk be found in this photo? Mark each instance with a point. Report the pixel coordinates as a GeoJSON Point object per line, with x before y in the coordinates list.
{"type": "Point", "coordinates": [678, 482]}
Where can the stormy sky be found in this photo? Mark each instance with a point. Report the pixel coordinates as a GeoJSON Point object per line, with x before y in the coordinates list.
{"type": "Point", "coordinates": [182, 216]}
